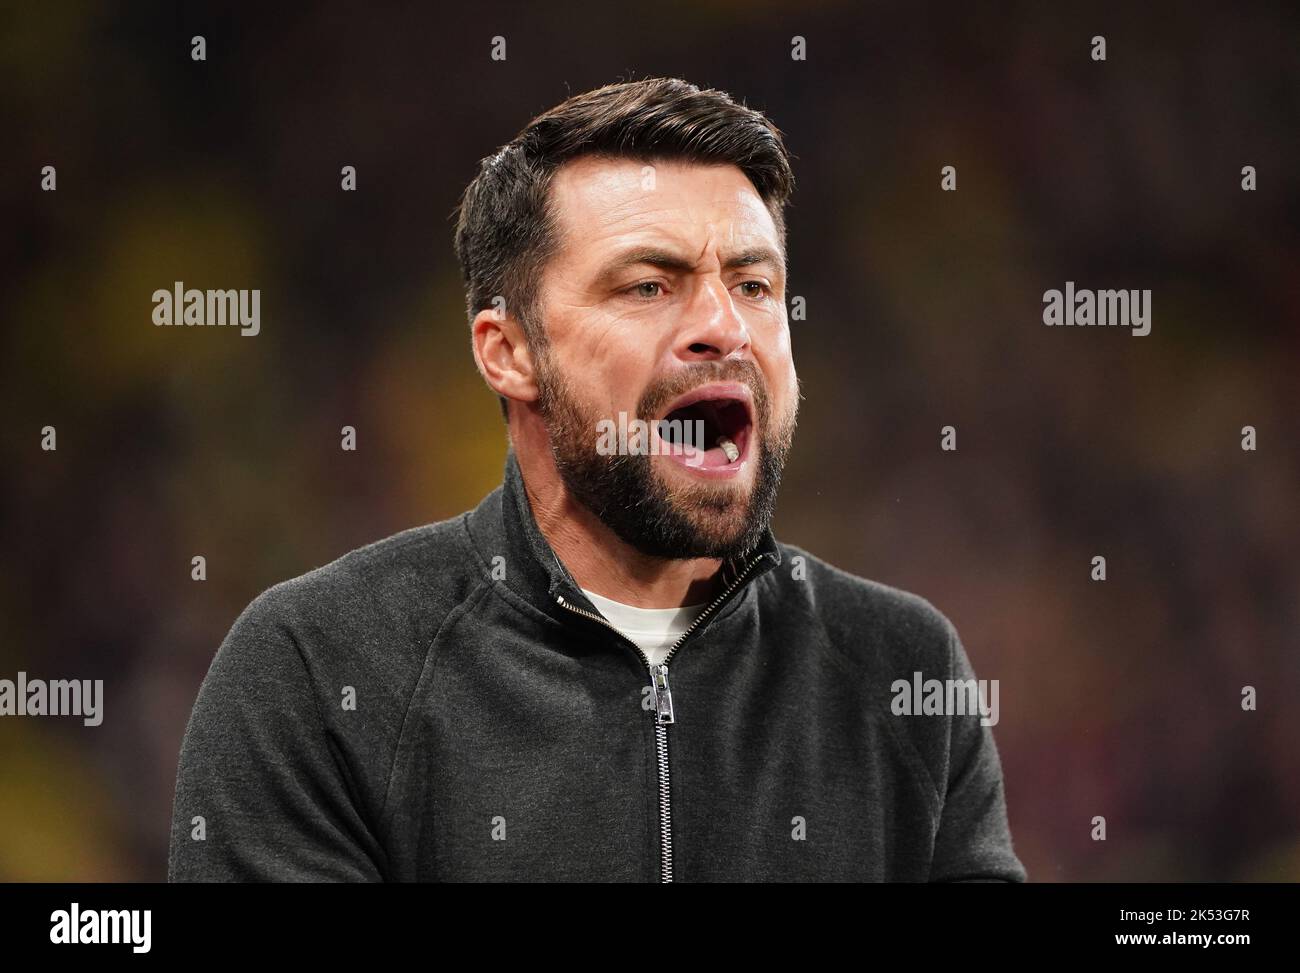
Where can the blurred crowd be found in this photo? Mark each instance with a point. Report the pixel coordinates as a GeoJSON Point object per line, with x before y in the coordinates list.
{"type": "Point", "coordinates": [1119, 699]}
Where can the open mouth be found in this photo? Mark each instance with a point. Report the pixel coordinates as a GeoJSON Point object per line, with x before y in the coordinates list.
{"type": "Point", "coordinates": [709, 429]}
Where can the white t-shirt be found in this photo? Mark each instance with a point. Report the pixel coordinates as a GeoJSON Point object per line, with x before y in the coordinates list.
{"type": "Point", "coordinates": [654, 630]}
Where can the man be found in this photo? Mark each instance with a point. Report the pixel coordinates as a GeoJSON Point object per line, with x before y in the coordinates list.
{"type": "Point", "coordinates": [610, 670]}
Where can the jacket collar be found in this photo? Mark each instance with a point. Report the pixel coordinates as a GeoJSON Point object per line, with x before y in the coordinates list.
{"type": "Point", "coordinates": [503, 525]}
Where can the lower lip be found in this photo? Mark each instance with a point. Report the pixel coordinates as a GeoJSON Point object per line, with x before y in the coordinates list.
{"type": "Point", "coordinates": [677, 456]}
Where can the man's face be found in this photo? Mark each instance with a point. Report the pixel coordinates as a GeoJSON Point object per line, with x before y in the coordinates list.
{"type": "Point", "coordinates": [666, 301]}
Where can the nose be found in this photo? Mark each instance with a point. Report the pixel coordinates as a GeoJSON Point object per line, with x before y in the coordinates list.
{"type": "Point", "coordinates": [712, 328]}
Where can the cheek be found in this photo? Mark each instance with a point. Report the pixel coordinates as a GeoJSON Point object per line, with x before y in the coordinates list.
{"type": "Point", "coordinates": [611, 375]}
{"type": "Point", "coordinates": [778, 366]}
{"type": "Point", "coordinates": [626, 367]}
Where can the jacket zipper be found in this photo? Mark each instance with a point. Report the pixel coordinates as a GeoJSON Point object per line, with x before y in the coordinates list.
{"type": "Point", "coordinates": [663, 697]}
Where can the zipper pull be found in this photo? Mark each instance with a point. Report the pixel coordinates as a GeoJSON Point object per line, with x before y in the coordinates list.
{"type": "Point", "coordinates": [663, 695]}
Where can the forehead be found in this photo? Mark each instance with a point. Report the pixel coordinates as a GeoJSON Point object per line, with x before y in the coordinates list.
{"type": "Point", "coordinates": [599, 202]}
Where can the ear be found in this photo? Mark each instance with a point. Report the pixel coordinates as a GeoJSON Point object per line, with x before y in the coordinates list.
{"type": "Point", "coordinates": [502, 355]}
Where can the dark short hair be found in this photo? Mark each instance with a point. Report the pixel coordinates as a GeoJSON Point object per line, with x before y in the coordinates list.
{"type": "Point", "coordinates": [505, 230]}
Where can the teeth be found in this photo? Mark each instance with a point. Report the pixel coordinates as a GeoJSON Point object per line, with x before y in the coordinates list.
{"type": "Point", "coordinates": [729, 448]}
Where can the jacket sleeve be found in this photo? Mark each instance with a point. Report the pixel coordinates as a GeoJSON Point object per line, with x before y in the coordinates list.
{"type": "Point", "coordinates": [973, 842]}
{"type": "Point", "coordinates": [262, 792]}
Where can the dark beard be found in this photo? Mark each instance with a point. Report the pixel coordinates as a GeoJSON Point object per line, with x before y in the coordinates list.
{"type": "Point", "coordinates": [625, 493]}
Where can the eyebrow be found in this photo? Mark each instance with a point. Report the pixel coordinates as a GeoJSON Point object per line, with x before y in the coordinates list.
{"type": "Point", "coordinates": [667, 260]}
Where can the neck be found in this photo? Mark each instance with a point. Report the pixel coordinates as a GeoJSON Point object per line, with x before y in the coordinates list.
{"type": "Point", "coordinates": [599, 559]}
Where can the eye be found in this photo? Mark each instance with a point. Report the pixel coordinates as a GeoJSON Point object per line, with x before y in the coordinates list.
{"type": "Point", "coordinates": [638, 290]}
{"type": "Point", "coordinates": [763, 289]}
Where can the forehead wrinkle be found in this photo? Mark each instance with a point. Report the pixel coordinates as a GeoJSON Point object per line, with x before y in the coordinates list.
{"type": "Point", "coordinates": [732, 206]}
{"type": "Point", "coordinates": [672, 222]}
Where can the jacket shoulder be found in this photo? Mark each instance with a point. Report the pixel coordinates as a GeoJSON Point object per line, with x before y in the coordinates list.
{"type": "Point", "coordinates": [296, 726]}
{"type": "Point", "coordinates": [369, 616]}
{"type": "Point", "coordinates": [403, 575]}
{"type": "Point", "coordinates": [880, 628]}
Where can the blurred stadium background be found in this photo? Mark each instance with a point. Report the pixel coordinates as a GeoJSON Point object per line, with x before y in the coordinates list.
{"type": "Point", "coordinates": [1119, 699]}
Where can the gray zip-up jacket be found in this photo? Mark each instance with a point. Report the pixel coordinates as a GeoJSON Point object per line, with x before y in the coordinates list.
{"type": "Point", "coordinates": [446, 705]}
